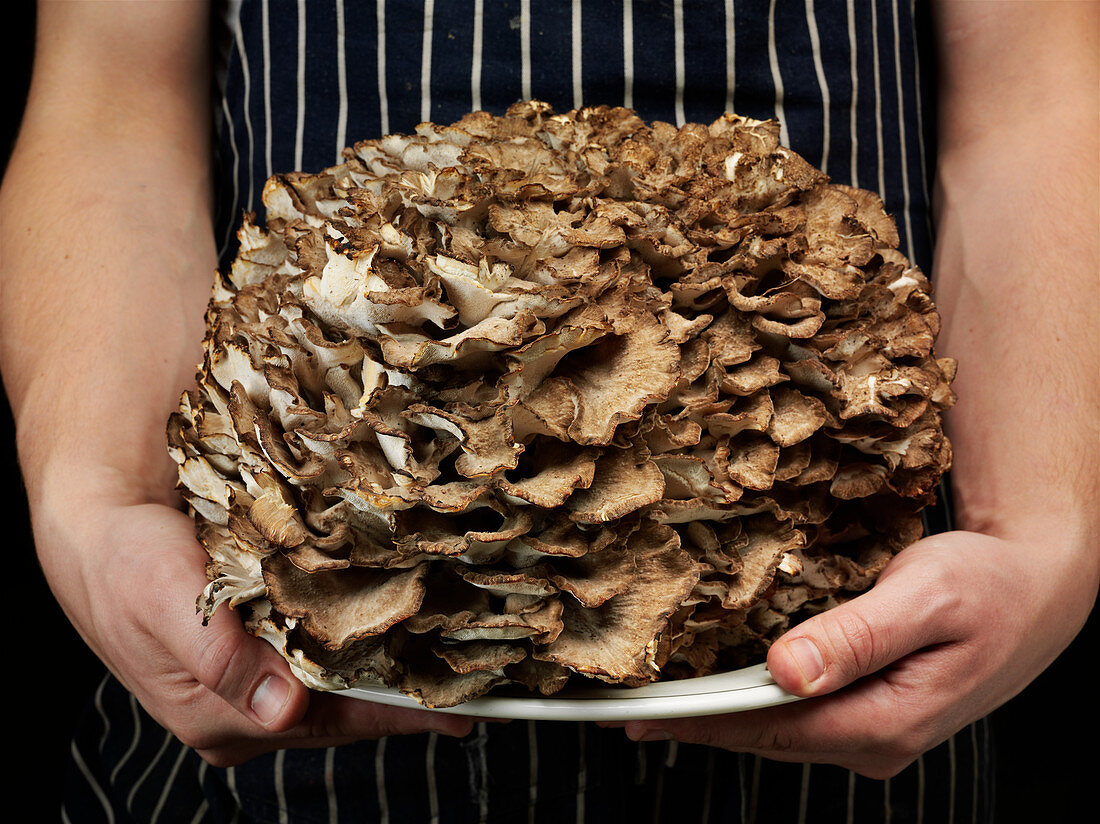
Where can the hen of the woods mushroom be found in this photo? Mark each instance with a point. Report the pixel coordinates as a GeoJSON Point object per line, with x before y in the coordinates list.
{"type": "Point", "coordinates": [545, 395]}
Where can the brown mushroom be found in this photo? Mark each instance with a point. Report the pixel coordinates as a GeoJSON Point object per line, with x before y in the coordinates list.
{"type": "Point", "coordinates": [534, 398]}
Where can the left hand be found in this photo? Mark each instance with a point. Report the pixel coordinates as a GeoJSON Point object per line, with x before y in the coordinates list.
{"type": "Point", "coordinates": [956, 625]}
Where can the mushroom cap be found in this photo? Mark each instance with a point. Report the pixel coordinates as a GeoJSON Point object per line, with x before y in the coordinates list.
{"type": "Point", "coordinates": [536, 398]}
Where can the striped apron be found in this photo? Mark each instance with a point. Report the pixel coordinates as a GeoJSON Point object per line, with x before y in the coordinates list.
{"type": "Point", "coordinates": [301, 80]}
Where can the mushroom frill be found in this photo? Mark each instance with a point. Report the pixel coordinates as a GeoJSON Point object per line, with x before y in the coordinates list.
{"type": "Point", "coordinates": [539, 397]}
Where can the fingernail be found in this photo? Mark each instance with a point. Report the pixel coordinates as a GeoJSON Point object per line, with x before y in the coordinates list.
{"type": "Point", "coordinates": [807, 657]}
{"type": "Point", "coordinates": [269, 698]}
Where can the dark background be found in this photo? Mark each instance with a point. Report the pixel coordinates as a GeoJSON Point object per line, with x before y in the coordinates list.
{"type": "Point", "coordinates": [53, 673]}
{"type": "Point", "coordinates": [1037, 736]}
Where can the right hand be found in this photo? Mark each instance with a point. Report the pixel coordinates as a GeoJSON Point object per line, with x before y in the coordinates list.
{"type": "Point", "coordinates": [129, 576]}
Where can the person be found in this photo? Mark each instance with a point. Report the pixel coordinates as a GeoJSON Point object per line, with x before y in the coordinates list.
{"type": "Point", "coordinates": [107, 214]}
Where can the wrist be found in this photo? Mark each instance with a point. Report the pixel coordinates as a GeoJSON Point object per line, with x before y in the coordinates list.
{"type": "Point", "coordinates": [82, 453]}
{"type": "Point", "coordinates": [1059, 536]}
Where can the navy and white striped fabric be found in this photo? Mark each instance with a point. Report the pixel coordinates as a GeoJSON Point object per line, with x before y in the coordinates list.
{"type": "Point", "coordinates": [300, 80]}
{"type": "Point", "coordinates": [305, 79]}
{"type": "Point", "coordinates": [128, 769]}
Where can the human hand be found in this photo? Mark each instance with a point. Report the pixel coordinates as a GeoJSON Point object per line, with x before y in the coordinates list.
{"type": "Point", "coordinates": [957, 624]}
{"type": "Point", "coordinates": [128, 577]}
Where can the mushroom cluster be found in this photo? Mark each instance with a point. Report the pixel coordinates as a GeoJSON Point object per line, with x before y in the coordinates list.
{"type": "Point", "coordinates": [540, 396]}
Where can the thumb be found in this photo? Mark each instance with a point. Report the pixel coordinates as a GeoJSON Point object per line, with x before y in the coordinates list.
{"type": "Point", "coordinates": [836, 647]}
{"type": "Point", "coordinates": [248, 673]}
{"type": "Point", "coordinates": [221, 655]}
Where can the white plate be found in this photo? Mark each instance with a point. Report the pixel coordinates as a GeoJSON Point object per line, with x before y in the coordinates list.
{"type": "Point", "coordinates": [743, 689]}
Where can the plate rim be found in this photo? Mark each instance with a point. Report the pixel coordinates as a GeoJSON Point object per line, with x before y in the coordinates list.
{"type": "Point", "coordinates": [733, 691]}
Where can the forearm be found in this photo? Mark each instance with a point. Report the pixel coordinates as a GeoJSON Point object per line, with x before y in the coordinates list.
{"type": "Point", "coordinates": [1017, 265]}
{"type": "Point", "coordinates": [102, 328]}
{"type": "Point", "coordinates": [107, 264]}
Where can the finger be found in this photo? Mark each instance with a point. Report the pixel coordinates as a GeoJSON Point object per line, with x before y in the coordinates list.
{"type": "Point", "coordinates": [797, 734]}
{"type": "Point", "coordinates": [250, 675]}
{"type": "Point", "coordinates": [243, 671]}
{"type": "Point", "coordinates": [331, 721]}
{"type": "Point", "coordinates": [334, 720]}
{"type": "Point", "coordinates": [904, 612]}
{"type": "Point", "coordinates": [874, 727]}
{"type": "Point", "coordinates": [247, 702]}
{"type": "Point", "coordinates": [347, 716]}
{"type": "Point", "coordinates": [226, 693]}
{"type": "Point", "coordinates": [246, 673]}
